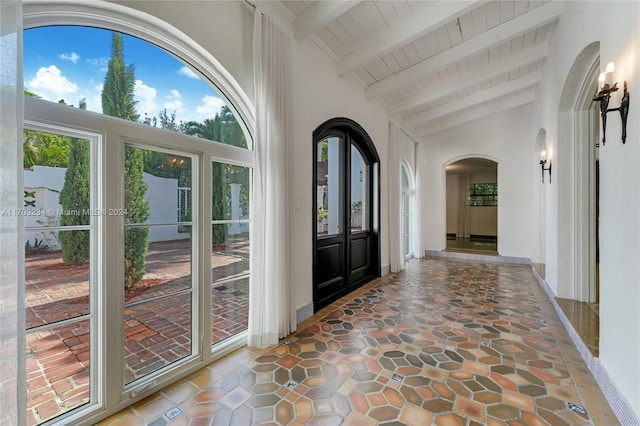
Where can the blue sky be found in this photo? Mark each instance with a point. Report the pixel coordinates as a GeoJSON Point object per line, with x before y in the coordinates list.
{"type": "Point", "coordinates": [70, 63]}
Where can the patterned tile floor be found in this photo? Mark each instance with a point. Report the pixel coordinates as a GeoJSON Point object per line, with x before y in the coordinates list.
{"type": "Point", "coordinates": [445, 342]}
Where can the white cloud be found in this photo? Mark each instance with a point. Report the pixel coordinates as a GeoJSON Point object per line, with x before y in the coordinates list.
{"type": "Point", "coordinates": [51, 84]}
{"type": "Point", "coordinates": [94, 98]}
{"type": "Point", "coordinates": [210, 106]}
{"type": "Point", "coordinates": [186, 71]}
{"type": "Point", "coordinates": [71, 56]}
{"type": "Point", "coordinates": [102, 62]}
{"type": "Point", "coordinates": [146, 97]}
{"type": "Point", "coordinates": [174, 102]}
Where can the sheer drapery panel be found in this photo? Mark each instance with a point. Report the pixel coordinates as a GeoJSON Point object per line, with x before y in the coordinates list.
{"type": "Point", "coordinates": [12, 349]}
{"type": "Point", "coordinates": [270, 313]}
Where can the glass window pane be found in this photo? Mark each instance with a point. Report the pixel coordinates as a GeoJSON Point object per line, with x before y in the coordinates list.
{"type": "Point", "coordinates": [57, 370]}
{"type": "Point", "coordinates": [359, 194]}
{"type": "Point", "coordinates": [167, 263]}
{"type": "Point", "coordinates": [230, 251]}
{"type": "Point", "coordinates": [57, 287]}
{"type": "Point", "coordinates": [329, 186]}
{"type": "Point", "coordinates": [229, 308]}
{"type": "Point", "coordinates": [57, 193]}
{"type": "Point", "coordinates": [230, 192]}
{"type": "Point", "coordinates": [157, 333]}
{"type": "Point", "coordinates": [404, 178]}
{"type": "Point", "coordinates": [56, 185]}
{"type": "Point", "coordinates": [158, 246]}
{"type": "Point", "coordinates": [191, 103]}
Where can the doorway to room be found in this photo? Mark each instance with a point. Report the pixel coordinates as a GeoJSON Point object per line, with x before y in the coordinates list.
{"type": "Point", "coordinates": [346, 244]}
{"type": "Point", "coordinates": [472, 206]}
{"type": "Point", "coordinates": [579, 116]}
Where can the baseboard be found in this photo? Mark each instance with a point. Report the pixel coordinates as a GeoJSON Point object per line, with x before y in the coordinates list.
{"type": "Point", "coordinates": [385, 270]}
{"type": "Point", "coordinates": [616, 400]}
{"type": "Point", "coordinates": [304, 312]}
{"type": "Point", "coordinates": [479, 257]}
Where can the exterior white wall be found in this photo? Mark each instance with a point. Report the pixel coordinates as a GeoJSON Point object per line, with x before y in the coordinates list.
{"type": "Point", "coordinates": [615, 25]}
{"type": "Point", "coordinates": [498, 138]}
{"type": "Point", "coordinates": [47, 182]}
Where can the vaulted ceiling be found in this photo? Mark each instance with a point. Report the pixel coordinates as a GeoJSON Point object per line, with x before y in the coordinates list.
{"type": "Point", "coordinates": [434, 64]}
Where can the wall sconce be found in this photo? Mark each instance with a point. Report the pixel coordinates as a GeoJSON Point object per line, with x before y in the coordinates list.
{"type": "Point", "coordinates": [543, 161]}
{"type": "Point", "coordinates": [604, 95]}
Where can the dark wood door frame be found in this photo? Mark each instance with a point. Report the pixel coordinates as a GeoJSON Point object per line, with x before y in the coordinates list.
{"type": "Point", "coordinates": [339, 247]}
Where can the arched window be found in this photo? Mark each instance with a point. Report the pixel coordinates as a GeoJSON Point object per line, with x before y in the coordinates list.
{"type": "Point", "coordinates": [144, 208]}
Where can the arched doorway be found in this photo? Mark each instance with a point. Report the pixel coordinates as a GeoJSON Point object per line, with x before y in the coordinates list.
{"type": "Point", "coordinates": [346, 243]}
{"type": "Point", "coordinates": [472, 205]}
{"type": "Point", "coordinates": [578, 197]}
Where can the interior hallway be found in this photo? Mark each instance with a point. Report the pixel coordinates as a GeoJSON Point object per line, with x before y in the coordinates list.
{"type": "Point", "coordinates": [443, 342]}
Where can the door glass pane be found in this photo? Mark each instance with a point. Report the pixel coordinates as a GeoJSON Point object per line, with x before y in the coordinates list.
{"type": "Point", "coordinates": [329, 186]}
{"type": "Point", "coordinates": [359, 185]}
{"type": "Point", "coordinates": [57, 195]}
{"type": "Point", "coordinates": [231, 195]}
{"type": "Point", "coordinates": [158, 247]}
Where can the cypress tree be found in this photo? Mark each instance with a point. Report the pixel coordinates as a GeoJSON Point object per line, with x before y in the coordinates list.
{"type": "Point", "coordinates": [74, 199]}
{"type": "Point", "coordinates": [118, 101]}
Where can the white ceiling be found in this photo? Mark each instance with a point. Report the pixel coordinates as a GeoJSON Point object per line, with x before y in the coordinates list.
{"type": "Point", "coordinates": [434, 64]}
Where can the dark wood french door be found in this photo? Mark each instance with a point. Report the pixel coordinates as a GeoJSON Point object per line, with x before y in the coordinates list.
{"type": "Point", "coordinates": [346, 250]}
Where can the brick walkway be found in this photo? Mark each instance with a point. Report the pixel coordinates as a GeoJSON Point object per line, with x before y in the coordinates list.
{"type": "Point", "coordinates": [157, 332]}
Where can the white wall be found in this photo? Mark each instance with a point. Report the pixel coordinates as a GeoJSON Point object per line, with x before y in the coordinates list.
{"type": "Point", "coordinates": [615, 25]}
{"type": "Point", "coordinates": [498, 138]}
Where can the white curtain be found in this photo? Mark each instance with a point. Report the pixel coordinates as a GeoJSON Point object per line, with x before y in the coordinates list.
{"type": "Point", "coordinates": [12, 349]}
{"type": "Point", "coordinates": [395, 200]}
{"type": "Point", "coordinates": [421, 160]}
{"type": "Point", "coordinates": [271, 315]}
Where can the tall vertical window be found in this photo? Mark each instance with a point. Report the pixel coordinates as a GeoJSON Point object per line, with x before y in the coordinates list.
{"type": "Point", "coordinates": [158, 247]}
{"type": "Point", "coordinates": [60, 218]}
{"type": "Point", "coordinates": [231, 189]}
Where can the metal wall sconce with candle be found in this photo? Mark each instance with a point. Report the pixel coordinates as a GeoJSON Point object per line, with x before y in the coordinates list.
{"type": "Point", "coordinates": [543, 161]}
{"type": "Point", "coordinates": [604, 95]}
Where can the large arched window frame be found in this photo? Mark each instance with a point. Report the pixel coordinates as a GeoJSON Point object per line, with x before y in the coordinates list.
{"type": "Point", "coordinates": [109, 390]}
{"type": "Point", "coordinates": [149, 28]}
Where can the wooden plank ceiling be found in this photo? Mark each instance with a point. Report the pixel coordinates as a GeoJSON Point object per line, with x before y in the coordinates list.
{"type": "Point", "coordinates": [434, 64]}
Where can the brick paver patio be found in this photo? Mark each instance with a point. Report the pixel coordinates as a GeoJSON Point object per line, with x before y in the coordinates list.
{"type": "Point", "coordinates": [157, 329]}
